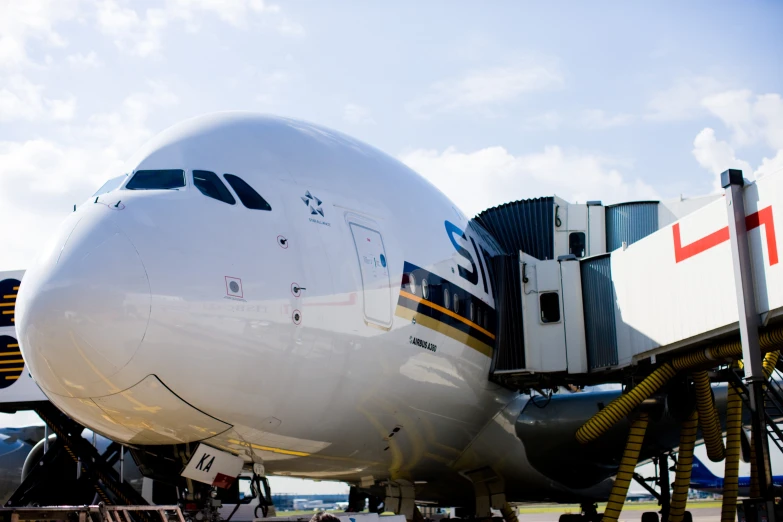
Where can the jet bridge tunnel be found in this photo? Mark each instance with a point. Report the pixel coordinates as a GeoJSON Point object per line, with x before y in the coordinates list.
{"type": "Point", "coordinates": [589, 293]}
{"type": "Point", "coordinates": [651, 295]}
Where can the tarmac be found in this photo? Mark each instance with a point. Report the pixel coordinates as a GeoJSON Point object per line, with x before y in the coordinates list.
{"type": "Point", "coordinates": [699, 515]}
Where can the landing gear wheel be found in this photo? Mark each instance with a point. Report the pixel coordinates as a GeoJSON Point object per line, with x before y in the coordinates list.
{"type": "Point", "coordinates": [356, 500]}
{"type": "Point", "coordinates": [375, 504]}
{"type": "Point", "coordinates": [687, 517]}
{"type": "Point", "coordinates": [649, 516]}
{"type": "Point", "coordinates": [590, 513]}
{"type": "Point", "coordinates": [571, 517]}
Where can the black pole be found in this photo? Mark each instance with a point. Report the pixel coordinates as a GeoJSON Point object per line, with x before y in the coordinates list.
{"type": "Point", "coordinates": [663, 482]}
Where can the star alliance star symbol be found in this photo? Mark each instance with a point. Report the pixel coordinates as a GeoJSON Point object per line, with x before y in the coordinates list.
{"type": "Point", "coordinates": [314, 203]}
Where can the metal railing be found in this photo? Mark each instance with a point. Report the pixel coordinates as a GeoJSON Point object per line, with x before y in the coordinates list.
{"type": "Point", "coordinates": [96, 513]}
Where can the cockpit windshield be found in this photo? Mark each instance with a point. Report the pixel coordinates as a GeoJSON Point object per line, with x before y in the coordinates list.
{"type": "Point", "coordinates": [157, 180]}
{"type": "Point", "coordinates": [110, 185]}
{"type": "Point", "coordinates": [247, 195]}
{"type": "Point", "coordinates": [209, 184]}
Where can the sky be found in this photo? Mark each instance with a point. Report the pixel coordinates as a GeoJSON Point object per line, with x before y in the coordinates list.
{"type": "Point", "coordinates": [492, 102]}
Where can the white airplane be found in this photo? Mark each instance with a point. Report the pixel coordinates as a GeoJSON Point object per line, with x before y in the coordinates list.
{"type": "Point", "coordinates": [285, 294]}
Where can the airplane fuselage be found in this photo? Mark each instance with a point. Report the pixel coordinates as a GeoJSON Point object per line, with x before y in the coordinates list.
{"type": "Point", "coordinates": [344, 332]}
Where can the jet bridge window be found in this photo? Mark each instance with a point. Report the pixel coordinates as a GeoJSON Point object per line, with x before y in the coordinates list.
{"type": "Point", "coordinates": [576, 244]}
{"type": "Point", "coordinates": [247, 195]}
{"type": "Point", "coordinates": [157, 180]}
{"type": "Point", "coordinates": [550, 307]}
{"type": "Point", "coordinates": [209, 184]}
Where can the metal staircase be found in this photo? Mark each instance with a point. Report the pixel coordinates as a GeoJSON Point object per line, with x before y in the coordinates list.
{"type": "Point", "coordinates": [773, 403]}
{"type": "Point", "coordinates": [94, 513]}
{"type": "Point", "coordinates": [94, 476]}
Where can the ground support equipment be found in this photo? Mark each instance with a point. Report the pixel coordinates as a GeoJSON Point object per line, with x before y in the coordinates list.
{"type": "Point", "coordinates": [94, 513]}
{"type": "Point", "coordinates": [93, 472]}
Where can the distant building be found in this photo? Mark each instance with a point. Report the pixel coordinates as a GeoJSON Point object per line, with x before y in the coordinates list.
{"type": "Point", "coordinates": [305, 502]}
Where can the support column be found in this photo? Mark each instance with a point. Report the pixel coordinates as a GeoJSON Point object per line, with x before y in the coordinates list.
{"type": "Point", "coordinates": [665, 486]}
{"type": "Point", "coordinates": [732, 182]}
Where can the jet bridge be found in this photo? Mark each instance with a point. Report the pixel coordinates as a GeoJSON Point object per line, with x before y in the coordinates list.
{"type": "Point", "coordinates": [592, 292]}
{"type": "Point", "coordinates": [688, 294]}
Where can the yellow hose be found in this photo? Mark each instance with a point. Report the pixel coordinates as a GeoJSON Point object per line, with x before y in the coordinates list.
{"type": "Point", "coordinates": [617, 409]}
{"type": "Point", "coordinates": [770, 361]}
{"type": "Point", "coordinates": [708, 417]}
{"type": "Point", "coordinates": [509, 515]}
{"type": "Point", "coordinates": [627, 466]}
{"type": "Point", "coordinates": [733, 451]}
{"type": "Point", "coordinates": [682, 477]}
{"type": "Point", "coordinates": [624, 404]}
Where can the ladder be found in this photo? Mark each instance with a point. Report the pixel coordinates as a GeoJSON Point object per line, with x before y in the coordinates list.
{"type": "Point", "coordinates": [773, 403]}
{"type": "Point", "coordinates": [93, 472]}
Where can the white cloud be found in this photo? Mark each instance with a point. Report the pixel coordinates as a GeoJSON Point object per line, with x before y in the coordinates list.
{"type": "Point", "coordinates": [752, 120]}
{"type": "Point", "coordinates": [233, 12]}
{"type": "Point", "coordinates": [25, 20]}
{"type": "Point", "coordinates": [682, 101]}
{"type": "Point", "coordinates": [140, 33]}
{"type": "Point", "coordinates": [596, 119]}
{"type": "Point", "coordinates": [770, 165]}
{"type": "Point", "coordinates": [290, 28]}
{"type": "Point", "coordinates": [484, 89]}
{"type": "Point", "coordinates": [20, 99]}
{"type": "Point", "coordinates": [124, 130]}
{"type": "Point", "coordinates": [492, 176]}
{"type": "Point", "coordinates": [83, 61]}
{"type": "Point", "coordinates": [43, 178]}
{"type": "Point", "coordinates": [357, 115]}
{"type": "Point", "coordinates": [590, 119]}
{"type": "Point", "coordinates": [717, 156]}
{"type": "Point", "coordinates": [548, 121]}
{"type": "Point", "coordinates": [41, 182]}
{"type": "Point", "coordinates": [62, 110]}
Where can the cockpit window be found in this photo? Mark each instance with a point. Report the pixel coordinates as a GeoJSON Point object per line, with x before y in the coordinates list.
{"type": "Point", "coordinates": [210, 185]}
{"type": "Point", "coordinates": [157, 180]}
{"type": "Point", "coordinates": [110, 185]}
{"type": "Point", "coordinates": [249, 197]}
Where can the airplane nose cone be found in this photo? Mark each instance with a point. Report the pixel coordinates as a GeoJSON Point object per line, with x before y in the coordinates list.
{"type": "Point", "coordinates": [83, 309]}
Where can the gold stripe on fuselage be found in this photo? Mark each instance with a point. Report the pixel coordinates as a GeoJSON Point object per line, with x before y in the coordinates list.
{"type": "Point", "coordinates": [445, 329]}
{"type": "Point", "coordinates": [446, 311]}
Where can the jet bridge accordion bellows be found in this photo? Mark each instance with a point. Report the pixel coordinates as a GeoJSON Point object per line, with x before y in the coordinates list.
{"type": "Point", "coordinates": [598, 303]}
{"type": "Point", "coordinates": [510, 339]}
{"type": "Point", "coordinates": [526, 225]}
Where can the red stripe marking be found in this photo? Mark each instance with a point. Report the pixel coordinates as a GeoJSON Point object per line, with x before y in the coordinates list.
{"type": "Point", "coordinates": [764, 217]}
{"type": "Point", "coordinates": [755, 220]}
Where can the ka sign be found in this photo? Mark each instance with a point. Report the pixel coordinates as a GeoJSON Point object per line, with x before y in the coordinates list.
{"type": "Point", "coordinates": [214, 467]}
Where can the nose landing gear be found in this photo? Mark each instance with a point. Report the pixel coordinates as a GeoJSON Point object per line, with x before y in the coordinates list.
{"type": "Point", "coordinates": [204, 503]}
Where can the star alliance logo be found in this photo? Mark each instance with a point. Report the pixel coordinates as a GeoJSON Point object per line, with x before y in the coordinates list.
{"type": "Point", "coordinates": [314, 203]}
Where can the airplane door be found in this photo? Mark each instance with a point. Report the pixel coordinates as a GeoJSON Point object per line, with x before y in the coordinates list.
{"type": "Point", "coordinates": [374, 270]}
